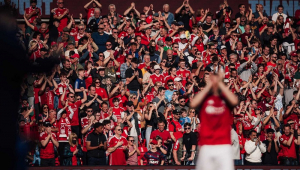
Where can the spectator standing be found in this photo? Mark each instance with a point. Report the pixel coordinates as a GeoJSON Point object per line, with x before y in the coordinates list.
{"type": "Point", "coordinates": [96, 146]}
{"type": "Point", "coordinates": [153, 157]}
{"type": "Point", "coordinates": [287, 145]}
{"type": "Point", "coordinates": [74, 107]}
{"type": "Point", "coordinates": [72, 152]}
{"type": "Point", "coordinates": [48, 142]}
{"type": "Point", "coordinates": [32, 12]}
{"type": "Point", "coordinates": [125, 66]}
{"type": "Point", "coordinates": [133, 152]}
{"type": "Point", "coordinates": [134, 119]}
{"type": "Point", "coordinates": [62, 14]}
{"type": "Point", "coordinates": [100, 38]}
{"type": "Point", "coordinates": [270, 156]}
{"type": "Point", "coordinates": [167, 14]}
{"type": "Point", "coordinates": [118, 148]}
{"type": "Point", "coordinates": [254, 149]}
{"type": "Point", "coordinates": [235, 144]}
{"type": "Point", "coordinates": [189, 145]}
{"type": "Point", "coordinates": [175, 128]}
{"type": "Point", "coordinates": [134, 76]}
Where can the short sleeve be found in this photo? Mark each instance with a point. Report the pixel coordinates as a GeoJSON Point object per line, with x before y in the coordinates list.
{"type": "Point", "coordinates": [176, 146]}
{"type": "Point", "coordinates": [281, 139]}
{"type": "Point", "coordinates": [140, 74]}
{"type": "Point", "coordinates": [194, 138]}
{"type": "Point", "coordinates": [88, 137]}
{"type": "Point", "coordinates": [152, 135]}
{"type": "Point", "coordinates": [42, 136]}
{"type": "Point", "coordinates": [171, 127]}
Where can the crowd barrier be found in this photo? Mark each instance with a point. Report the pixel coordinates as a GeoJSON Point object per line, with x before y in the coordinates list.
{"type": "Point", "coordinates": [159, 168]}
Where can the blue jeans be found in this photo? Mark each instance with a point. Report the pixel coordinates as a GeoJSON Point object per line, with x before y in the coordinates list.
{"type": "Point", "coordinates": [239, 161]}
{"type": "Point", "coordinates": [97, 161]}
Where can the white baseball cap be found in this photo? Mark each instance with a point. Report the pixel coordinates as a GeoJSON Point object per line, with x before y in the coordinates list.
{"type": "Point", "coordinates": [177, 79]}
{"type": "Point", "coordinates": [182, 36]}
{"type": "Point", "coordinates": [156, 67]}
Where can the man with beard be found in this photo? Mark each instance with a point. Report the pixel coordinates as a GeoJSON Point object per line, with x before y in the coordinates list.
{"type": "Point", "coordinates": [287, 144]}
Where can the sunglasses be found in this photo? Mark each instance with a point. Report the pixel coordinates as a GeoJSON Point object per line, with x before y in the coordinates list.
{"type": "Point", "coordinates": [188, 128]}
{"type": "Point", "coordinates": [178, 114]}
{"type": "Point", "coordinates": [45, 107]}
{"type": "Point", "coordinates": [97, 82]}
{"type": "Point", "coordinates": [78, 98]}
{"type": "Point", "coordinates": [101, 55]}
{"type": "Point", "coordinates": [175, 47]}
{"type": "Point", "coordinates": [80, 28]}
{"type": "Point", "coordinates": [192, 111]}
{"type": "Point", "coordinates": [182, 101]}
{"type": "Point", "coordinates": [129, 58]}
{"type": "Point", "coordinates": [89, 111]}
{"type": "Point", "coordinates": [60, 2]}
{"type": "Point", "coordinates": [71, 96]}
{"type": "Point", "coordinates": [198, 53]}
{"type": "Point", "coordinates": [100, 28]}
{"type": "Point", "coordinates": [119, 130]}
{"type": "Point", "coordinates": [131, 140]}
{"type": "Point", "coordinates": [115, 32]}
{"type": "Point", "coordinates": [108, 44]}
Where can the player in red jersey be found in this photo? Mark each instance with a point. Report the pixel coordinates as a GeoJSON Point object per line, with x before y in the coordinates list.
{"type": "Point", "coordinates": [215, 115]}
{"type": "Point", "coordinates": [117, 147]}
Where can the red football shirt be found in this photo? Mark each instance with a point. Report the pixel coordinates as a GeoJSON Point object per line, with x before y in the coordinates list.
{"type": "Point", "coordinates": [74, 106]}
{"type": "Point", "coordinates": [47, 152]}
{"type": "Point", "coordinates": [35, 15]}
{"type": "Point", "coordinates": [64, 20]}
{"type": "Point", "coordinates": [117, 112]}
{"type": "Point", "coordinates": [118, 157]}
{"type": "Point", "coordinates": [176, 129]}
{"type": "Point", "coordinates": [155, 78]}
{"type": "Point", "coordinates": [184, 74]}
{"type": "Point", "coordinates": [288, 151]}
{"type": "Point", "coordinates": [165, 135]}
{"type": "Point", "coordinates": [215, 116]}
{"type": "Point", "coordinates": [101, 92]}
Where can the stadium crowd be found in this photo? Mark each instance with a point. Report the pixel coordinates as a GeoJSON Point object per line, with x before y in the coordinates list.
{"type": "Point", "coordinates": [119, 84]}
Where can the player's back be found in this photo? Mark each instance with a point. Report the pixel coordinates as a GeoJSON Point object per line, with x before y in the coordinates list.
{"type": "Point", "coordinates": [215, 119]}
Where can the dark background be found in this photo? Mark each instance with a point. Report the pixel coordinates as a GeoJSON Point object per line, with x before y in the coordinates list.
{"type": "Point", "coordinates": [76, 6]}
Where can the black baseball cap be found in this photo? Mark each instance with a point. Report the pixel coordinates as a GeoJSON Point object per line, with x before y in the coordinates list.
{"type": "Point", "coordinates": [176, 111]}
{"type": "Point", "coordinates": [47, 124]}
{"type": "Point", "coordinates": [168, 39]}
{"type": "Point", "coordinates": [270, 130]}
{"type": "Point", "coordinates": [129, 103]}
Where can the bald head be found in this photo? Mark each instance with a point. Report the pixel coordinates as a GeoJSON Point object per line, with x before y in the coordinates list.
{"type": "Point", "coordinates": [169, 52]}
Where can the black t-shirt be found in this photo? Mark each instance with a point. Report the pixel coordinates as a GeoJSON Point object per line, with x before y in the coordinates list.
{"type": "Point", "coordinates": [206, 27]}
{"type": "Point", "coordinates": [96, 140]}
{"type": "Point", "coordinates": [95, 104]}
{"type": "Point", "coordinates": [134, 85]}
{"type": "Point", "coordinates": [270, 158]}
{"type": "Point", "coordinates": [189, 139]}
{"type": "Point", "coordinates": [185, 19]}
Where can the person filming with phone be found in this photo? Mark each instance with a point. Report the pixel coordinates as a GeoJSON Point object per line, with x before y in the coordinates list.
{"type": "Point", "coordinates": [254, 149]}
